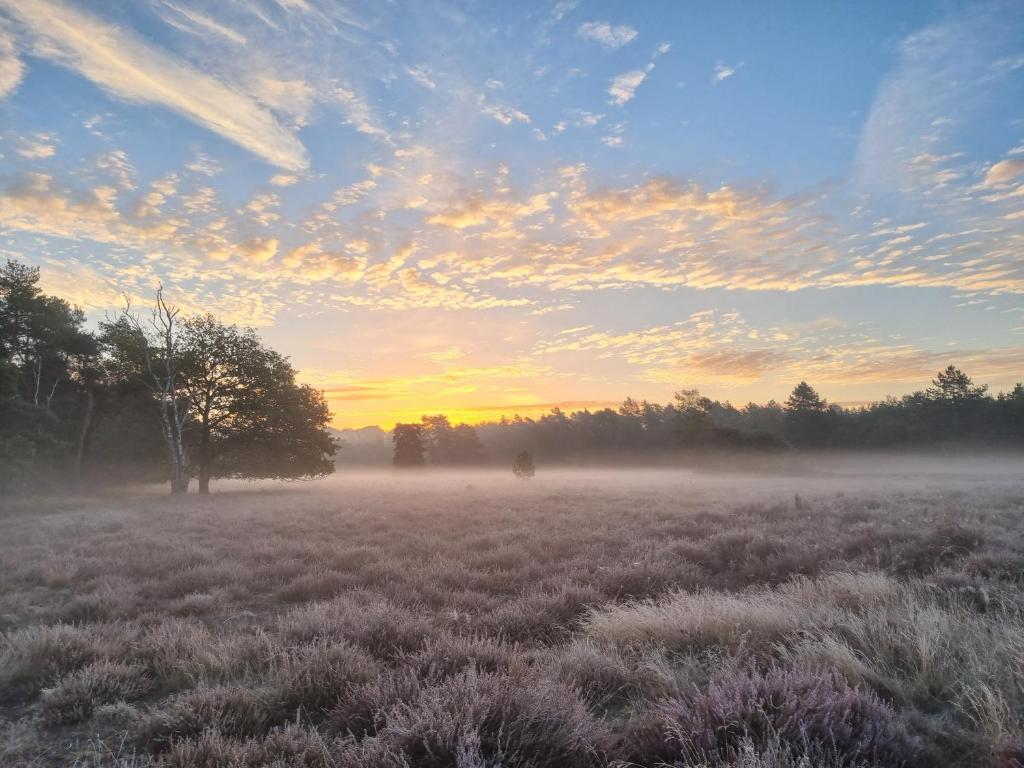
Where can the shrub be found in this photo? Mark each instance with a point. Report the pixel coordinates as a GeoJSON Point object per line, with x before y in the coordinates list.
{"type": "Point", "coordinates": [935, 546]}
{"type": "Point", "coordinates": [601, 674]}
{"type": "Point", "coordinates": [1009, 753]}
{"type": "Point", "coordinates": [448, 655]}
{"type": "Point", "coordinates": [815, 713]}
{"type": "Point", "coordinates": [289, 747]}
{"type": "Point", "coordinates": [494, 719]}
{"type": "Point", "coordinates": [523, 467]}
{"type": "Point", "coordinates": [315, 677]}
{"type": "Point", "coordinates": [542, 617]}
{"type": "Point", "coordinates": [38, 655]}
{"type": "Point", "coordinates": [230, 711]}
{"type": "Point", "coordinates": [378, 626]}
{"type": "Point", "coordinates": [365, 708]}
{"type": "Point", "coordinates": [78, 694]}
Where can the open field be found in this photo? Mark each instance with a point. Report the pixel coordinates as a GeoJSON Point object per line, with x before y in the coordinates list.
{"type": "Point", "coordinates": [844, 613]}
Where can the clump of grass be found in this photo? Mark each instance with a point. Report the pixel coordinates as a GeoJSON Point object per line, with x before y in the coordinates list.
{"type": "Point", "coordinates": [600, 673]}
{"type": "Point", "coordinates": [448, 655]}
{"type": "Point", "coordinates": [312, 679]}
{"type": "Point", "coordinates": [480, 719]}
{"type": "Point", "coordinates": [36, 656]}
{"type": "Point", "coordinates": [231, 711]}
{"type": "Point", "coordinates": [183, 652]}
{"type": "Point", "coordinates": [816, 714]}
{"type": "Point", "coordinates": [757, 618]}
{"type": "Point", "coordinates": [378, 626]}
{"type": "Point", "coordinates": [290, 746]}
{"type": "Point", "coordinates": [77, 695]}
{"type": "Point", "coordinates": [933, 547]}
{"type": "Point", "coordinates": [365, 709]}
{"type": "Point", "coordinates": [542, 617]}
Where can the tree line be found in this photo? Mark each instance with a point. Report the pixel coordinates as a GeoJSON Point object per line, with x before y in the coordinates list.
{"type": "Point", "coordinates": [154, 395]}
{"type": "Point", "coordinates": [952, 411]}
{"type": "Point", "coordinates": [151, 395]}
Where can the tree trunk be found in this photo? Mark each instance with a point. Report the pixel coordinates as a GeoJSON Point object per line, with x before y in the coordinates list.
{"type": "Point", "coordinates": [179, 482]}
{"type": "Point", "coordinates": [204, 454]}
{"type": "Point", "coordinates": [38, 370]}
{"type": "Point", "coordinates": [172, 429]}
{"type": "Point", "coordinates": [204, 464]}
{"type": "Point", "coordinates": [83, 434]}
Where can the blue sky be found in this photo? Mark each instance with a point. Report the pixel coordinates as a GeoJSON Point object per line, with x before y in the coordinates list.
{"type": "Point", "coordinates": [485, 208]}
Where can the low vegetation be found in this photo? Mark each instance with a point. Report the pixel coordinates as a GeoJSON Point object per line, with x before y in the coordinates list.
{"type": "Point", "coordinates": [646, 619]}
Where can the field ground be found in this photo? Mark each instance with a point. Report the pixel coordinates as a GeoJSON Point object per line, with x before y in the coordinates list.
{"type": "Point", "coordinates": [845, 613]}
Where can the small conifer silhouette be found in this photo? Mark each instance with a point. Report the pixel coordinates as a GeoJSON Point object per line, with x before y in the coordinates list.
{"type": "Point", "coordinates": [523, 467]}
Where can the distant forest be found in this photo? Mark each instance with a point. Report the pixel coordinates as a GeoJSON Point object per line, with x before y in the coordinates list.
{"type": "Point", "coordinates": [952, 412]}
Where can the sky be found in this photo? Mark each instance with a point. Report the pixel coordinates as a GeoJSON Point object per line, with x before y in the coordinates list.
{"type": "Point", "coordinates": [487, 208]}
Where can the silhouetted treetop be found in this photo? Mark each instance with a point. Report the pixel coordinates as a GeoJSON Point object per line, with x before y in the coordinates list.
{"type": "Point", "coordinates": [953, 386]}
{"type": "Point", "coordinates": [805, 399]}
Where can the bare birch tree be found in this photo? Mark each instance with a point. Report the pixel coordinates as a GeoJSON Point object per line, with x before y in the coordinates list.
{"type": "Point", "coordinates": [158, 338]}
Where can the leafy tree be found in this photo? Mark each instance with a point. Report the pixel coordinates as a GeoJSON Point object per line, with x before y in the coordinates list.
{"type": "Point", "coordinates": [42, 350]}
{"type": "Point", "coordinates": [39, 334]}
{"type": "Point", "coordinates": [252, 419]}
{"type": "Point", "coordinates": [409, 448]}
{"type": "Point", "coordinates": [229, 406]}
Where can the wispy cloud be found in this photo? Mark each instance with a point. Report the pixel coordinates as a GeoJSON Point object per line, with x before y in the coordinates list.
{"type": "Point", "coordinates": [359, 113]}
{"type": "Point", "coordinates": [11, 68]}
{"type": "Point", "coordinates": [505, 115]}
{"type": "Point", "coordinates": [724, 71]}
{"type": "Point", "coordinates": [937, 78]}
{"type": "Point", "coordinates": [129, 68]}
{"type": "Point", "coordinates": [609, 36]}
{"type": "Point", "coordinates": [194, 22]}
{"type": "Point", "coordinates": [623, 87]}
{"type": "Point", "coordinates": [284, 179]}
{"type": "Point", "coordinates": [38, 146]}
{"type": "Point", "coordinates": [422, 76]}
{"type": "Point", "coordinates": [295, 5]}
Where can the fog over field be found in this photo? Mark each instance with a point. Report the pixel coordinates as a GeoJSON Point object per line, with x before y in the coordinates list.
{"type": "Point", "coordinates": [858, 610]}
{"type": "Point", "coordinates": [725, 478]}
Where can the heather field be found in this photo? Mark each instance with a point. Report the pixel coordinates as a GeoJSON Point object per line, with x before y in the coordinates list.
{"type": "Point", "coordinates": [816, 614]}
